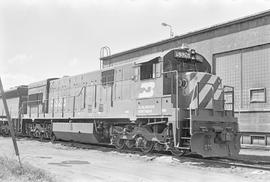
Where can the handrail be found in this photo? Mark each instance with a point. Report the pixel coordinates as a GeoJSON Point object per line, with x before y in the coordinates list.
{"type": "Point", "coordinates": [190, 120]}
{"type": "Point", "coordinates": [176, 103]}
{"type": "Point", "coordinates": [232, 93]}
{"type": "Point", "coordinates": [212, 88]}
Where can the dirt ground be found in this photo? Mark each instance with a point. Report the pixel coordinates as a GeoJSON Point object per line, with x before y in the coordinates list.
{"type": "Point", "coordinates": [72, 164]}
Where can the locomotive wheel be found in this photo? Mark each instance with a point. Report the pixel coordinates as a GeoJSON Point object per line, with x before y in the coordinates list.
{"type": "Point", "coordinates": [130, 143]}
{"type": "Point", "coordinates": [31, 135]}
{"type": "Point", "coordinates": [37, 134]}
{"type": "Point", "coordinates": [119, 143]}
{"type": "Point", "coordinates": [27, 133]}
{"type": "Point", "coordinates": [41, 136]}
{"type": "Point", "coordinates": [46, 135]}
{"type": "Point", "coordinates": [53, 138]}
{"type": "Point", "coordinates": [6, 133]}
{"type": "Point", "coordinates": [147, 146]}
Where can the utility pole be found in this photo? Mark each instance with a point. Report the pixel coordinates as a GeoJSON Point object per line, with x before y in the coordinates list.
{"type": "Point", "coordinates": [10, 124]}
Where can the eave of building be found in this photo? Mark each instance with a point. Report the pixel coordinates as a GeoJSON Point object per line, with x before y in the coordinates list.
{"type": "Point", "coordinates": [204, 30]}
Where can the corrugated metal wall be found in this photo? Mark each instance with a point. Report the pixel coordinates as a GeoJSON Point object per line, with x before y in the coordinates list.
{"type": "Point", "coordinates": [248, 71]}
{"type": "Point", "coordinates": [228, 67]}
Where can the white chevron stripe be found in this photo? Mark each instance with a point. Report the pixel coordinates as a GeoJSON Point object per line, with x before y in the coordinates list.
{"type": "Point", "coordinates": [193, 83]}
{"type": "Point", "coordinates": [207, 88]}
{"type": "Point", "coordinates": [210, 104]}
{"type": "Point", "coordinates": [217, 94]}
{"type": "Point", "coordinates": [193, 104]}
{"type": "Point", "coordinates": [204, 91]}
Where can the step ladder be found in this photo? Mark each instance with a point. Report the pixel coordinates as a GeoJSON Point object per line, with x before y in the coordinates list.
{"type": "Point", "coordinates": [185, 135]}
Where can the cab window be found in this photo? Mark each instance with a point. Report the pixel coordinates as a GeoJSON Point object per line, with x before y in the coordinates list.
{"type": "Point", "coordinates": [149, 69]}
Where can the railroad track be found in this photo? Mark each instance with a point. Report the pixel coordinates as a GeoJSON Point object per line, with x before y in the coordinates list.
{"type": "Point", "coordinates": [227, 162]}
{"type": "Point", "coordinates": [214, 161]}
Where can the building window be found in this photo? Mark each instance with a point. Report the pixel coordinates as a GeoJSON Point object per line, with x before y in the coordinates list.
{"type": "Point", "coordinates": [258, 140]}
{"type": "Point", "coordinates": [257, 95]}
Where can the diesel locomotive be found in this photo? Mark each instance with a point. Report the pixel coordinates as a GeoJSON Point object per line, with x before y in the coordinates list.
{"type": "Point", "coordinates": [166, 101]}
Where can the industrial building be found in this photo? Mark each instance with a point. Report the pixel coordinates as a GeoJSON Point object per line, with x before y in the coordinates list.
{"type": "Point", "coordinates": [239, 52]}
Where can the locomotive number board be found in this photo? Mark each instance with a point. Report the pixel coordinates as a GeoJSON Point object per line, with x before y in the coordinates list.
{"type": "Point", "coordinates": [182, 54]}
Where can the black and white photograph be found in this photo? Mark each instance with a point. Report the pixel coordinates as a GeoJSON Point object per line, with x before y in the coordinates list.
{"type": "Point", "coordinates": [134, 90]}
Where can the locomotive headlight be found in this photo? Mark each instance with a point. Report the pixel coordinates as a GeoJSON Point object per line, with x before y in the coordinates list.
{"type": "Point", "coordinates": [193, 54]}
{"type": "Point", "coordinates": [183, 83]}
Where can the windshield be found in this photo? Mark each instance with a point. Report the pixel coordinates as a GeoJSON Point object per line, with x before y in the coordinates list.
{"type": "Point", "coordinates": [184, 60]}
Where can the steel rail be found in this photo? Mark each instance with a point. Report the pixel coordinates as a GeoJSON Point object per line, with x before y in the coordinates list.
{"type": "Point", "coordinates": [232, 162]}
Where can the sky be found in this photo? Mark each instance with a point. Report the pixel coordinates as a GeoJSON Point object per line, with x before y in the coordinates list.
{"type": "Point", "coordinates": [42, 39]}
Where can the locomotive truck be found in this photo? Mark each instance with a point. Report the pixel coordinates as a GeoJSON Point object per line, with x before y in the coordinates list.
{"type": "Point", "coordinates": [166, 101]}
